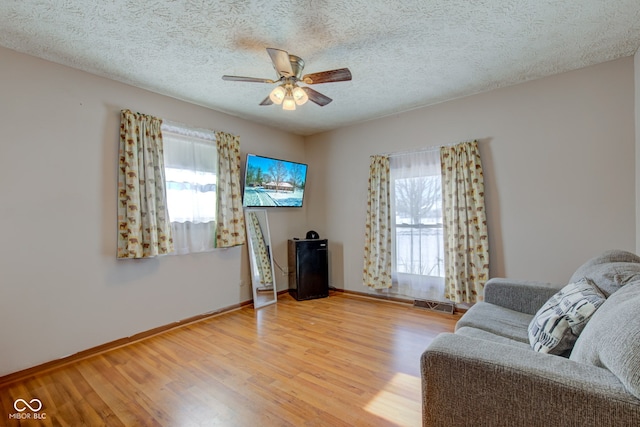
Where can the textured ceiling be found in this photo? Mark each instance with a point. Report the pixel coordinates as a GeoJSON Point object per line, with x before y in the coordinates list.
{"type": "Point", "coordinates": [402, 54]}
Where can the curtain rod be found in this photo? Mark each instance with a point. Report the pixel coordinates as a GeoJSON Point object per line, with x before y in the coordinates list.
{"type": "Point", "coordinates": [417, 150]}
{"type": "Point", "coordinates": [424, 150]}
{"type": "Point", "coordinates": [186, 130]}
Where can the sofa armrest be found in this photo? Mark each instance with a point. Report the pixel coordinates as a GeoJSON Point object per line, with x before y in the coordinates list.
{"type": "Point", "coordinates": [519, 295]}
{"type": "Point", "coordinates": [470, 382]}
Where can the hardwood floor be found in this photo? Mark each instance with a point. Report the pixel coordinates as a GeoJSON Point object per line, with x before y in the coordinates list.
{"type": "Point", "coordinates": [338, 361]}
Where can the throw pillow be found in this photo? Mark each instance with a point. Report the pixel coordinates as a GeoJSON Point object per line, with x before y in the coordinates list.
{"type": "Point", "coordinates": [556, 326]}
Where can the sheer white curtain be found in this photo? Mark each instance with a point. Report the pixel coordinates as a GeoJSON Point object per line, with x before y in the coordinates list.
{"type": "Point", "coordinates": [190, 172]}
{"type": "Point", "coordinates": [418, 254]}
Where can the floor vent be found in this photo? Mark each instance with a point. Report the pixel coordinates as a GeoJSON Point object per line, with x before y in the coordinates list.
{"type": "Point", "coordinates": [444, 307]}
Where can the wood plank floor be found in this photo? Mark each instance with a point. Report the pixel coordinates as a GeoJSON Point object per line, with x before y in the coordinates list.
{"type": "Point", "coordinates": [338, 361]}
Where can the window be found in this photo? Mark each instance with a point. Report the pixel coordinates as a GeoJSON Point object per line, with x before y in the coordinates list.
{"type": "Point", "coordinates": [416, 191]}
{"type": "Point", "coordinates": [190, 157]}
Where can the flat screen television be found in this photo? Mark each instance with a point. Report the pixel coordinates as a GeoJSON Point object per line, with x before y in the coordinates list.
{"type": "Point", "coordinates": [273, 182]}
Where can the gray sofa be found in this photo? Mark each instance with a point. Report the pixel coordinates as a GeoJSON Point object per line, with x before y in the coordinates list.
{"type": "Point", "coordinates": [487, 374]}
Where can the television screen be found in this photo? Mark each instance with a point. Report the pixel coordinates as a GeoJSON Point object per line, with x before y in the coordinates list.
{"type": "Point", "coordinates": [273, 182]}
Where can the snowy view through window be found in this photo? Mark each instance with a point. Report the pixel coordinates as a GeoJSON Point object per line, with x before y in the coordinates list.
{"type": "Point", "coordinates": [418, 228]}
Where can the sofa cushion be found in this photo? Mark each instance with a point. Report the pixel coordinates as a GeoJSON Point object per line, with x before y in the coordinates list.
{"type": "Point", "coordinates": [611, 339]}
{"type": "Point", "coordinates": [470, 332]}
{"type": "Point", "coordinates": [497, 320]}
{"type": "Point", "coordinates": [610, 271]}
{"type": "Point", "coordinates": [556, 326]}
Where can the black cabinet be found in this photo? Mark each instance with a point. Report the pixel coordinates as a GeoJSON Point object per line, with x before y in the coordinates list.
{"type": "Point", "coordinates": [308, 268]}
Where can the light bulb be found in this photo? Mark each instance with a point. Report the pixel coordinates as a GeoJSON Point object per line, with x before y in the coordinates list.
{"type": "Point", "coordinates": [277, 95]}
{"type": "Point", "coordinates": [289, 103]}
{"type": "Point", "coordinates": [300, 96]}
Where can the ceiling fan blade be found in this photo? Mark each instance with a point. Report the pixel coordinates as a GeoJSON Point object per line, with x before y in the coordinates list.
{"type": "Point", "coordinates": [267, 101]}
{"type": "Point", "coordinates": [339, 75]}
{"type": "Point", "coordinates": [317, 97]}
{"type": "Point", "coordinates": [246, 79]}
{"type": "Point", "coordinates": [281, 62]}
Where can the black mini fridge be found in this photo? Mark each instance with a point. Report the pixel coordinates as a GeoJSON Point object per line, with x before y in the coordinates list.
{"type": "Point", "coordinates": [308, 269]}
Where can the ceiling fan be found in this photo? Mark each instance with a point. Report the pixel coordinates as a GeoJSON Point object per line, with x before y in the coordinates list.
{"type": "Point", "coordinates": [289, 69]}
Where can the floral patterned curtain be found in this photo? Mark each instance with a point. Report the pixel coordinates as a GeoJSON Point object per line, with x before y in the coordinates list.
{"type": "Point", "coordinates": [466, 243]}
{"type": "Point", "coordinates": [144, 229]}
{"type": "Point", "coordinates": [377, 247]}
{"type": "Point", "coordinates": [230, 228]}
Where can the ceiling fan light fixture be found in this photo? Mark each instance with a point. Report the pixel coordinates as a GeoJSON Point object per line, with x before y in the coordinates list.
{"type": "Point", "coordinates": [289, 103]}
{"type": "Point", "coordinates": [288, 93]}
{"type": "Point", "coordinates": [299, 96]}
{"type": "Point", "coordinates": [278, 95]}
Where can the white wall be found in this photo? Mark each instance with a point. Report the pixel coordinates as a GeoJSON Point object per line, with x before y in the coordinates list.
{"type": "Point", "coordinates": [559, 162]}
{"type": "Point", "coordinates": [61, 288]}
